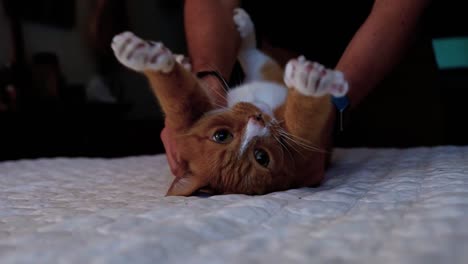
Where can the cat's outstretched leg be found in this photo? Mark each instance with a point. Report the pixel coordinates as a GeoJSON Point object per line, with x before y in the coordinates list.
{"type": "Point", "coordinates": [180, 95]}
{"type": "Point", "coordinates": [308, 106]}
{"type": "Point", "coordinates": [255, 64]}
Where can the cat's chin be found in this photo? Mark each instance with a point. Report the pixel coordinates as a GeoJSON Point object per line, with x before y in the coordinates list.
{"type": "Point", "coordinates": [269, 94]}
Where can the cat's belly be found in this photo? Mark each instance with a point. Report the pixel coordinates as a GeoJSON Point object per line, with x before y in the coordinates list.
{"type": "Point", "coordinates": [267, 96]}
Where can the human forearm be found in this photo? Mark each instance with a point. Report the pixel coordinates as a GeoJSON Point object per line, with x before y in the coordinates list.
{"type": "Point", "coordinates": [379, 44]}
{"type": "Point", "coordinates": [212, 38]}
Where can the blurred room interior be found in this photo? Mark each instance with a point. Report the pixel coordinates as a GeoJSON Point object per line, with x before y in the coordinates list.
{"type": "Point", "coordinates": [62, 93]}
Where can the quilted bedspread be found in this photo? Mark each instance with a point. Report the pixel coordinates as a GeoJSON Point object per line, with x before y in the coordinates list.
{"type": "Point", "coordinates": [376, 206]}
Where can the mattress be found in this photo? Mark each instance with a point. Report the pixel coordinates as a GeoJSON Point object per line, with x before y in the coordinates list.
{"type": "Point", "coordinates": [376, 206]}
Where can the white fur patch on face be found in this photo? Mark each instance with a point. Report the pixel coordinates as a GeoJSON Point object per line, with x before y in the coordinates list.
{"type": "Point", "coordinates": [252, 130]}
{"type": "Point", "coordinates": [267, 96]}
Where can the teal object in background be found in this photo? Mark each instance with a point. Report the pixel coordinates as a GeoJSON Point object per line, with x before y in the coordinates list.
{"type": "Point", "coordinates": [451, 52]}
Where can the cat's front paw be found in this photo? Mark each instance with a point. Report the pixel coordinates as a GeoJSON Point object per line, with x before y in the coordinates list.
{"type": "Point", "coordinates": [141, 55]}
{"type": "Point", "coordinates": [313, 79]}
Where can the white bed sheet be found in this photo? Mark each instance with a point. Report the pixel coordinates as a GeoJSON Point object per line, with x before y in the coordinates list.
{"type": "Point", "coordinates": [377, 206]}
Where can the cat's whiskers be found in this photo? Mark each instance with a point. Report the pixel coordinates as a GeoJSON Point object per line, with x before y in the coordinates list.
{"type": "Point", "coordinates": [296, 145]}
{"type": "Point", "coordinates": [284, 147]}
{"type": "Point", "coordinates": [299, 141]}
{"type": "Point", "coordinates": [218, 93]}
{"type": "Point", "coordinates": [219, 106]}
{"type": "Point", "coordinates": [214, 68]}
{"type": "Point", "coordinates": [278, 123]}
{"type": "Point", "coordinates": [292, 146]}
{"type": "Point", "coordinates": [274, 125]}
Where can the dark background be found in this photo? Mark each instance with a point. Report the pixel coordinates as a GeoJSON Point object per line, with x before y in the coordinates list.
{"type": "Point", "coordinates": [54, 51]}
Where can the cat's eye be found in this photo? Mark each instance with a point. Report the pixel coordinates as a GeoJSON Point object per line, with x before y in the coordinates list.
{"type": "Point", "coordinates": [222, 136]}
{"type": "Point", "coordinates": [261, 157]}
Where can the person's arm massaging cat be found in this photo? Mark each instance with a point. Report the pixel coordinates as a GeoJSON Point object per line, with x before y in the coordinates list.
{"type": "Point", "coordinates": [263, 140]}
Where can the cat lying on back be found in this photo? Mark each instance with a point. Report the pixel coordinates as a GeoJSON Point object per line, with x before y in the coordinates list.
{"type": "Point", "coordinates": [266, 137]}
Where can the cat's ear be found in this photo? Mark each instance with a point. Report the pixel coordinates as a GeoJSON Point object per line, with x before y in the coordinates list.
{"type": "Point", "coordinates": [184, 186]}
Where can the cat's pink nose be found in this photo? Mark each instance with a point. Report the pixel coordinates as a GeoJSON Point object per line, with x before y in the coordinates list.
{"type": "Point", "coordinates": [257, 118]}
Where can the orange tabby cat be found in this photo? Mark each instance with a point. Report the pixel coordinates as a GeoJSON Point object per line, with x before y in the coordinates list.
{"type": "Point", "coordinates": [266, 137]}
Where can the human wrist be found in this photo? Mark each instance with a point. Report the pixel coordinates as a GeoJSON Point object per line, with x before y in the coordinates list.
{"type": "Point", "coordinates": [215, 88]}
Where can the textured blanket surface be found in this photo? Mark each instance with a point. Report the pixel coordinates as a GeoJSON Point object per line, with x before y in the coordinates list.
{"type": "Point", "coordinates": [376, 206]}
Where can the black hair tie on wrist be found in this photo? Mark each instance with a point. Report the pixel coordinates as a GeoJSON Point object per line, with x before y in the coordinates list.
{"type": "Point", "coordinates": [220, 78]}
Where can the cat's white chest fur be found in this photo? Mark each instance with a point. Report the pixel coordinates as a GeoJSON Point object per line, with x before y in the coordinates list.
{"type": "Point", "coordinates": [267, 96]}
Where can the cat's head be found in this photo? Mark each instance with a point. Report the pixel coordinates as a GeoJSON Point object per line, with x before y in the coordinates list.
{"type": "Point", "coordinates": [235, 150]}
